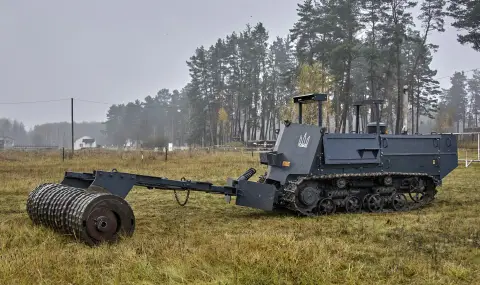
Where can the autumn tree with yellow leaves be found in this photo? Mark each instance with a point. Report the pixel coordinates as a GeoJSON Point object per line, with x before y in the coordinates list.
{"type": "Point", "coordinates": [311, 79]}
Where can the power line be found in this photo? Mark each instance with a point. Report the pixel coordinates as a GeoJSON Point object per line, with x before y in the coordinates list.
{"type": "Point", "coordinates": [95, 102]}
{"type": "Point", "coordinates": [33, 102]}
{"type": "Point", "coordinates": [465, 71]}
{"type": "Point", "coordinates": [143, 106]}
{"type": "Point", "coordinates": [78, 100]}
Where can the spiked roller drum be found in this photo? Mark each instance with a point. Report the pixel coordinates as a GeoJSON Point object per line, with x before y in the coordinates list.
{"type": "Point", "coordinates": [91, 217]}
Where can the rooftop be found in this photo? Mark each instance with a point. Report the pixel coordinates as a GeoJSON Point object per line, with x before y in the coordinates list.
{"type": "Point", "coordinates": [6, 137]}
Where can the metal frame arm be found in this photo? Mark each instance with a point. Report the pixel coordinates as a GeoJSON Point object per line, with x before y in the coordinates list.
{"type": "Point", "coordinates": [248, 194]}
{"type": "Point", "coordinates": [120, 183]}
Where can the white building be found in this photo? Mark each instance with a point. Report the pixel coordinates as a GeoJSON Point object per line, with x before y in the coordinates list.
{"type": "Point", "coordinates": [6, 142]}
{"type": "Point", "coordinates": [84, 142]}
{"type": "Point", "coordinates": [132, 144]}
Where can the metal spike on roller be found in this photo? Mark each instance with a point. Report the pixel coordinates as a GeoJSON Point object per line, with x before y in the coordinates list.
{"type": "Point", "coordinates": [92, 217]}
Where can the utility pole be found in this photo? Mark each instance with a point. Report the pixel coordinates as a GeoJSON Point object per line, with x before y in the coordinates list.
{"type": "Point", "coordinates": [72, 128]}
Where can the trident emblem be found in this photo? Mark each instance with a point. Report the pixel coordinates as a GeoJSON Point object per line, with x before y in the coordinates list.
{"type": "Point", "coordinates": [303, 141]}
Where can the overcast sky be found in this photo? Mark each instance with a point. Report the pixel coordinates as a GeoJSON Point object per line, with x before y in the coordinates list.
{"type": "Point", "coordinates": [118, 51]}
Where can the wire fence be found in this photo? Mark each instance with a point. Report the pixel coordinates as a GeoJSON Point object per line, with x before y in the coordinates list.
{"type": "Point", "coordinates": [468, 151]}
{"type": "Point", "coordinates": [126, 153]}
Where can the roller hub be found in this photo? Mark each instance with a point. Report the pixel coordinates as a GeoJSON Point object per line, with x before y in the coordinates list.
{"type": "Point", "coordinates": [102, 224]}
{"type": "Point", "coordinates": [92, 217]}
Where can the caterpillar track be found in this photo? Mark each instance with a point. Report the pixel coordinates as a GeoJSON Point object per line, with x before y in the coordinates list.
{"type": "Point", "coordinates": [354, 193]}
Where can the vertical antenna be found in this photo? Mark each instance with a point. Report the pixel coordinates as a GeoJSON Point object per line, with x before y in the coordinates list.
{"type": "Point", "coordinates": [320, 113]}
{"type": "Point", "coordinates": [357, 119]}
{"type": "Point", "coordinates": [405, 110]}
{"type": "Point", "coordinates": [300, 112]}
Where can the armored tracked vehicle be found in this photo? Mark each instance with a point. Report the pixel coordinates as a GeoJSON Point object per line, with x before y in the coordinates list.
{"type": "Point", "coordinates": [319, 172]}
{"type": "Point", "coordinates": [309, 172]}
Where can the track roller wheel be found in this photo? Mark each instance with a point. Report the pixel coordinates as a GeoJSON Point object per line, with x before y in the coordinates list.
{"type": "Point", "coordinates": [353, 204]}
{"type": "Point", "coordinates": [326, 206]}
{"type": "Point", "coordinates": [399, 201]}
{"type": "Point", "coordinates": [365, 201]}
{"type": "Point", "coordinates": [374, 203]}
{"type": "Point", "coordinates": [416, 197]}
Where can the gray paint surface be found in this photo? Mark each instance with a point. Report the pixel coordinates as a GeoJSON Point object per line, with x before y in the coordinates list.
{"type": "Point", "coordinates": [435, 155]}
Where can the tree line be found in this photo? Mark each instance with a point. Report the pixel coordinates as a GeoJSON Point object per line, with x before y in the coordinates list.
{"type": "Point", "coordinates": [460, 104]}
{"type": "Point", "coordinates": [51, 134]}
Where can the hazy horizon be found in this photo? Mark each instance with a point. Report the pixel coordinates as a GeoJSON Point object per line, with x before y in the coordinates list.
{"type": "Point", "coordinates": [118, 51]}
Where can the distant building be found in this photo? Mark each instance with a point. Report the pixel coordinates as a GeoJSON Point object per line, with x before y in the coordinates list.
{"type": "Point", "coordinates": [84, 142]}
{"type": "Point", "coordinates": [6, 142]}
{"type": "Point", "coordinates": [133, 144]}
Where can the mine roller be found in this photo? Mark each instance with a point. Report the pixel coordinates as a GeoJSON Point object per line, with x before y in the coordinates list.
{"type": "Point", "coordinates": [309, 172]}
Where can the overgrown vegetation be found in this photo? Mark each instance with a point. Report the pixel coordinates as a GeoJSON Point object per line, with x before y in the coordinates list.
{"type": "Point", "coordinates": [210, 242]}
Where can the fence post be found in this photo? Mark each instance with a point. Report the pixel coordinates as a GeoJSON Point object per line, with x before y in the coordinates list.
{"type": "Point", "coordinates": [63, 154]}
{"type": "Point", "coordinates": [166, 153]}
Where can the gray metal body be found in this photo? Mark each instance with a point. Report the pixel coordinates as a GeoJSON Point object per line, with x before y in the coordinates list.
{"type": "Point", "coordinates": [309, 151]}
{"type": "Point", "coordinates": [310, 166]}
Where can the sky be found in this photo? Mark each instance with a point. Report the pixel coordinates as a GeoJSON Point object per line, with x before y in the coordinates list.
{"type": "Point", "coordinates": [116, 51]}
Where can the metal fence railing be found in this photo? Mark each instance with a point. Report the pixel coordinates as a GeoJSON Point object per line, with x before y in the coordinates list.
{"type": "Point", "coordinates": [468, 147]}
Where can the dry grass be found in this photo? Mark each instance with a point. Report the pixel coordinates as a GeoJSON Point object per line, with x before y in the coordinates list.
{"type": "Point", "coordinates": [210, 242]}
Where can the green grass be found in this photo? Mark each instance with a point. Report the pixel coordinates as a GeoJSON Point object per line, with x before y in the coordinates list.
{"type": "Point", "coordinates": [211, 242]}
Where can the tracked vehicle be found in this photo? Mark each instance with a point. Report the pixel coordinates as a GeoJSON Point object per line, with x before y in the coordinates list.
{"type": "Point", "coordinates": [309, 172]}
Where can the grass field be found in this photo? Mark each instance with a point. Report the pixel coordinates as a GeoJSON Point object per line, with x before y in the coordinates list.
{"type": "Point", "coordinates": [211, 242]}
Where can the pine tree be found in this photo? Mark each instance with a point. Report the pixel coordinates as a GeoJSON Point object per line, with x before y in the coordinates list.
{"type": "Point", "coordinates": [305, 30]}
{"type": "Point", "coordinates": [474, 89]}
{"type": "Point", "coordinates": [397, 22]}
{"type": "Point", "coordinates": [373, 15]}
{"type": "Point", "coordinates": [456, 99]}
{"type": "Point", "coordinates": [465, 13]}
